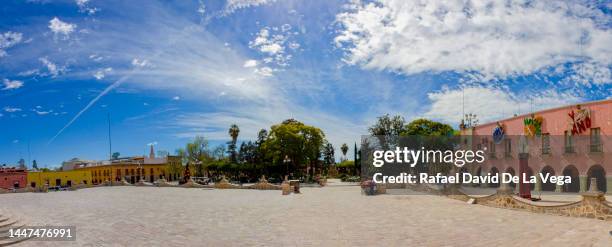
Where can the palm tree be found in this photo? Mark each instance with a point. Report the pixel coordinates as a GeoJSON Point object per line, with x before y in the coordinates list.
{"type": "Point", "coordinates": [233, 132]}
{"type": "Point", "coordinates": [344, 149]}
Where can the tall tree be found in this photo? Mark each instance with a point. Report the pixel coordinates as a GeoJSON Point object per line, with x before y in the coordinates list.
{"type": "Point", "coordinates": [233, 132]}
{"type": "Point", "coordinates": [34, 165]}
{"type": "Point", "coordinates": [198, 154]}
{"type": "Point", "coordinates": [387, 129]}
{"type": "Point", "coordinates": [328, 155]}
{"type": "Point", "coordinates": [426, 127]}
{"type": "Point", "coordinates": [344, 148]}
{"type": "Point", "coordinates": [292, 139]}
{"type": "Point", "coordinates": [388, 126]}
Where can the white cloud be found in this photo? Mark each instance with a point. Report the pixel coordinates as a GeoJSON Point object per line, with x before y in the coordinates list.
{"type": "Point", "coordinates": [11, 109]}
{"type": "Point", "coordinates": [264, 71]}
{"type": "Point", "coordinates": [589, 73]}
{"type": "Point", "coordinates": [176, 98]}
{"type": "Point", "coordinates": [493, 38]}
{"type": "Point", "coordinates": [201, 8]}
{"type": "Point", "coordinates": [250, 63]}
{"type": "Point", "coordinates": [271, 42]}
{"type": "Point", "coordinates": [232, 5]}
{"type": "Point", "coordinates": [42, 113]}
{"type": "Point", "coordinates": [8, 40]}
{"type": "Point", "coordinates": [96, 57]}
{"type": "Point", "coordinates": [490, 103]}
{"type": "Point", "coordinates": [28, 72]}
{"type": "Point", "coordinates": [100, 74]}
{"type": "Point", "coordinates": [59, 27]}
{"type": "Point", "coordinates": [140, 62]}
{"type": "Point", "coordinates": [53, 69]}
{"type": "Point", "coordinates": [84, 7]}
{"type": "Point", "coordinates": [14, 84]}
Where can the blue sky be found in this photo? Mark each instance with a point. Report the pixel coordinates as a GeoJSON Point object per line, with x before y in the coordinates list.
{"type": "Point", "coordinates": [166, 72]}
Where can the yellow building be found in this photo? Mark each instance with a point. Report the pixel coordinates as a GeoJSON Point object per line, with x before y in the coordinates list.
{"type": "Point", "coordinates": [38, 179]}
{"type": "Point", "coordinates": [135, 168]}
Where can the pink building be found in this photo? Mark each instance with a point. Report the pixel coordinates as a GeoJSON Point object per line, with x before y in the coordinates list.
{"type": "Point", "coordinates": [573, 140]}
{"type": "Point", "coordinates": [13, 178]}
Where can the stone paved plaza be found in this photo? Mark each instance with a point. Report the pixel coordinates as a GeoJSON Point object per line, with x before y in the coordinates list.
{"type": "Point", "coordinates": [330, 216]}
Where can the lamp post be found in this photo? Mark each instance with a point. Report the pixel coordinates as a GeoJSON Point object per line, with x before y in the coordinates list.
{"type": "Point", "coordinates": [287, 160]}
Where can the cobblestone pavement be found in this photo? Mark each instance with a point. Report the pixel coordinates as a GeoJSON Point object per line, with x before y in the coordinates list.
{"type": "Point", "coordinates": [330, 216]}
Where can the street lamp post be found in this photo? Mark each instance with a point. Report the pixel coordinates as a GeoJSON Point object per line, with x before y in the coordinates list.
{"type": "Point", "coordinates": [287, 160]}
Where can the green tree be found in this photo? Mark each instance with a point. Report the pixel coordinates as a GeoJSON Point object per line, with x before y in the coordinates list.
{"type": "Point", "coordinates": [426, 127]}
{"type": "Point", "coordinates": [344, 148]}
{"type": "Point", "coordinates": [34, 165]}
{"type": "Point", "coordinates": [116, 155]}
{"type": "Point", "coordinates": [328, 156]}
{"type": "Point", "coordinates": [388, 126]}
{"type": "Point", "coordinates": [197, 154]}
{"type": "Point", "coordinates": [300, 143]}
{"type": "Point", "coordinates": [233, 132]}
{"type": "Point", "coordinates": [174, 167]}
{"type": "Point", "coordinates": [387, 129]}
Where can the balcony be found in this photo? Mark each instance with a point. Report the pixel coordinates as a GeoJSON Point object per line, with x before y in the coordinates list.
{"type": "Point", "coordinates": [508, 154]}
{"type": "Point", "coordinates": [569, 150]}
{"type": "Point", "coordinates": [596, 148]}
{"type": "Point", "coordinates": [546, 150]}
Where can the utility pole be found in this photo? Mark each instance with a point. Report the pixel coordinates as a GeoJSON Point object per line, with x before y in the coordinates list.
{"type": "Point", "coordinates": [110, 144]}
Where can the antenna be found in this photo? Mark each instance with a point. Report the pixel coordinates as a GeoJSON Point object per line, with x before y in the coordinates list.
{"type": "Point", "coordinates": [110, 144]}
{"type": "Point", "coordinates": [463, 101]}
{"type": "Point", "coordinates": [29, 153]}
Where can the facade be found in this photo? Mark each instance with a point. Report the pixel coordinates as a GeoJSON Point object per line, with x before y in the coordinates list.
{"type": "Point", "coordinates": [133, 169]}
{"type": "Point", "coordinates": [13, 178]}
{"type": "Point", "coordinates": [574, 140]}
{"type": "Point", "coordinates": [39, 179]}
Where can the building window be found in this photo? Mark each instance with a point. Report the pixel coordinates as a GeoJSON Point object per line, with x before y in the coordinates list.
{"type": "Point", "coordinates": [508, 147]}
{"type": "Point", "coordinates": [596, 146]}
{"type": "Point", "coordinates": [569, 142]}
{"type": "Point", "coordinates": [545, 143]}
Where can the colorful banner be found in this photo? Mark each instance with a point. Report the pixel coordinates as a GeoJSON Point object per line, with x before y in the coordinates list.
{"type": "Point", "coordinates": [533, 126]}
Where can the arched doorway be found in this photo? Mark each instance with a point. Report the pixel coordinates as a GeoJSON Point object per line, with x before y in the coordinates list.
{"type": "Point", "coordinates": [494, 172]}
{"type": "Point", "coordinates": [572, 172]}
{"type": "Point", "coordinates": [548, 186]}
{"type": "Point", "coordinates": [511, 171]}
{"type": "Point", "coordinates": [598, 173]}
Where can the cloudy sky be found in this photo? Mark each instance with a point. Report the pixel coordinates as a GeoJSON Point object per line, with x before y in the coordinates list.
{"type": "Point", "coordinates": [166, 72]}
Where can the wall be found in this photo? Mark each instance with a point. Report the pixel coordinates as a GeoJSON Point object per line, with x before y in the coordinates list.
{"type": "Point", "coordinates": [555, 123]}
{"type": "Point", "coordinates": [8, 177]}
{"type": "Point", "coordinates": [50, 178]}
